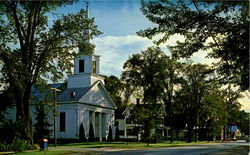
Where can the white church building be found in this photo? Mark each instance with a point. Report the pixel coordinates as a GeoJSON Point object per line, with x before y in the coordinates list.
{"type": "Point", "coordinates": [82, 100]}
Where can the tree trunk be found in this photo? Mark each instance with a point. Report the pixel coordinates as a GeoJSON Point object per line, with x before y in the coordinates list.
{"type": "Point", "coordinates": [23, 112]}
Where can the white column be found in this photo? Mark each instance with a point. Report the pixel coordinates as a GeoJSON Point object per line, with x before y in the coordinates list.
{"type": "Point", "coordinates": [93, 121]}
{"type": "Point", "coordinates": [125, 128]}
{"type": "Point", "coordinates": [100, 126]}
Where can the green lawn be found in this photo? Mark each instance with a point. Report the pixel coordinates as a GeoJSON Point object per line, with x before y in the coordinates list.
{"type": "Point", "coordinates": [125, 144]}
{"type": "Point", "coordinates": [49, 152]}
{"type": "Point", "coordinates": [53, 152]}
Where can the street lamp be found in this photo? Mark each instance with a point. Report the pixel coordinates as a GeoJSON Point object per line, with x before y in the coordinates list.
{"type": "Point", "coordinates": [55, 90]}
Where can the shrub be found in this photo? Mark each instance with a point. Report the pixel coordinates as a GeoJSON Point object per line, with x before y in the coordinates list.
{"type": "Point", "coordinates": [16, 145]}
{"type": "Point", "coordinates": [10, 137]}
{"type": "Point", "coordinates": [91, 133]}
{"type": "Point", "coordinates": [9, 131]}
{"type": "Point", "coordinates": [117, 136]}
{"type": "Point", "coordinates": [42, 125]}
{"type": "Point", "coordinates": [110, 138]}
{"type": "Point", "coordinates": [82, 137]}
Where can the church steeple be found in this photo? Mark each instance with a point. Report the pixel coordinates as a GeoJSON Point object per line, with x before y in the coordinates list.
{"type": "Point", "coordinates": [86, 67]}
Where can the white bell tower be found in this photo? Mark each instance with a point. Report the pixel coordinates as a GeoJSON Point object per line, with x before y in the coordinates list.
{"type": "Point", "coordinates": [86, 69]}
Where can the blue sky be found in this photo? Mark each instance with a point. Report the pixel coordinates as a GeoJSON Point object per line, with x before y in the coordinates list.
{"type": "Point", "coordinates": [113, 17]}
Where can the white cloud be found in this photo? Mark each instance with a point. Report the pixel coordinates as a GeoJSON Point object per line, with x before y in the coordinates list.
{"type": "Point", "coordinates": [245, 101]}
{"type": "Point", "coordinates": [115, 51]}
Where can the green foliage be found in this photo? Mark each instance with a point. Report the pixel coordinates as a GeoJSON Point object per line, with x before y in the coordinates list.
{"type": "Point", "coordinates": [11, 138]}
{"type": "Point", "coordinates": [154, 74]}
{"type": "Point", "coordinates": [42, 125]}
{"type": "Point", "coordinates": [110, 135]}
{"type": "Point", "coordinates": [197, 81]}
{"type": "Point", "coordinates": [221, 27]}
{"type": "Point", "coordinates": [142, 72]}
{"type": "Point", "coordinates": [243, 124]}
{"type": "Point", "coordinates": [115, 88]}
{"type": "Point", "coordinates": [149, 118]}
{"type": "Point", "coordinates": [214, 114]}
{"type": "Point", "coordinates": [82, 137]}
{"type": "Point", "coordinates": [117, 134]}
{"type": "Point", "coordinates": [91, 133]}
{"type": "Point", "coordinates": [42, 99]}
{"type": "Point", "coordinates": [16, 145]}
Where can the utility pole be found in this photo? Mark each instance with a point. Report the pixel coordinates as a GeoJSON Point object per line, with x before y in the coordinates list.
{"type": "Point", "coordinates": [55, 90]}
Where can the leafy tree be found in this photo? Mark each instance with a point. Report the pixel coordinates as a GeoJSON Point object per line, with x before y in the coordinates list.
{"type": "Point", "coordinates": [232, 106]}
{"type": "Point", "coordinates": [149, 117]}
{"type": "Point", "coordinates": [221, 27]}
{"type": "Point", "coordinates": [91, 133]}
{"type": "Point", "coordinates": [110, 135]}
{"type": "Point", "coordinates": [195, 84]}
{"type": "Point", "coordinates": [30, 50]}
{"type": "Point", "coordinates": [117, 134]}
{"type": "Point", "coordinates": [115, 88]}
{"type": "Point", "coordinates": [243, 123]}
{"type": "Point", "coordinates": [82, 137]}
{"type": "Point", "coordinates": [42, 97]}
{"type": "Point", "coordinates": [170, 76]}
{"type": "Point", "coordinates": [214, 114]}
{"type": "Point", "coordinates": [143, 72]}
{"type": "Point", "coordinates": [42, 125]}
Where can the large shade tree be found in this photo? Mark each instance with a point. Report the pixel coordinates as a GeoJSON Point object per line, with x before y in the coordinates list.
{"type": "Point", "coordinates": [31, 49]}
{"type": "Point", "coordinates": [220, 27]}
{"type": "Point", "coordinates": [196, 82]}
{"type": "Point", "coordinates": [156, 75]}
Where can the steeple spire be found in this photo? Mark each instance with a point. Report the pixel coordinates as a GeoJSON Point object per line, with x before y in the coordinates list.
{"type": "Point", "coordinates": [87, 8]}
{"type": "Point", "coordinates": [87, 16]}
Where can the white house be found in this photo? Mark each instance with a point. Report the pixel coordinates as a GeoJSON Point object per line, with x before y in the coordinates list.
{"type": "Point", "coordinates": [83, 99]}
{"type": "Point", "coordinates": [127, 124]}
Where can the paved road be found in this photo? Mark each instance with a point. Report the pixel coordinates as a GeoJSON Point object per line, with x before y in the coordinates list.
{"type": "Point", "coordinates": [186, 150]}
{"type": "Point", "coordinates": [203, 149]}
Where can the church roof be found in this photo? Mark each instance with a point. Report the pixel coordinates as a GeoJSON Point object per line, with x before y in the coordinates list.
{"type": "Point", "coordinates": [82, 95]}
{"type": "Point", "coordinates": [72, 94]}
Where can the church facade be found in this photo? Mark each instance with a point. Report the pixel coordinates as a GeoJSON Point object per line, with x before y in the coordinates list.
{"type": "Point", "coordinates": [82, 100]}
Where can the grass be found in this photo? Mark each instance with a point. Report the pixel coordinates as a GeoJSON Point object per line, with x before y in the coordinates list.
{"type": "Point", "coordinates": [53, 152]}
{"type": "Point", "coordinates": [126, 144]}
{"type": "Point", "coordinates": [49, 152]}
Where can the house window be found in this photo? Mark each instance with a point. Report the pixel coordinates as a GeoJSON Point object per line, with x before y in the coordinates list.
{"type": "Point", "coordinates": [121, 132]}
{"type": "Point", "coordinates": [94, 67]}
{"type": "Point", "coordinates": [62, 121]}
{"type": "Point", "coordinates": [130, 132]}
{"type": "Point", "coordinates": [81, 66]}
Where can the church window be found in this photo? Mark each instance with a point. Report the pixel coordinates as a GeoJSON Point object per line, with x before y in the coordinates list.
{"type": "Point", "coordinates": [81, 66]}
{"type": "Point", "coordinates": [94, 67]}
{"type": "Point", "coordinates": [62, 121]}
{"type": "Point", "coordinates": [72, 94]}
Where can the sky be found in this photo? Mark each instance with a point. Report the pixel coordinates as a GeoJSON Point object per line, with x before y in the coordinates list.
{"type": "Point", "coordinates": [119, 20]}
